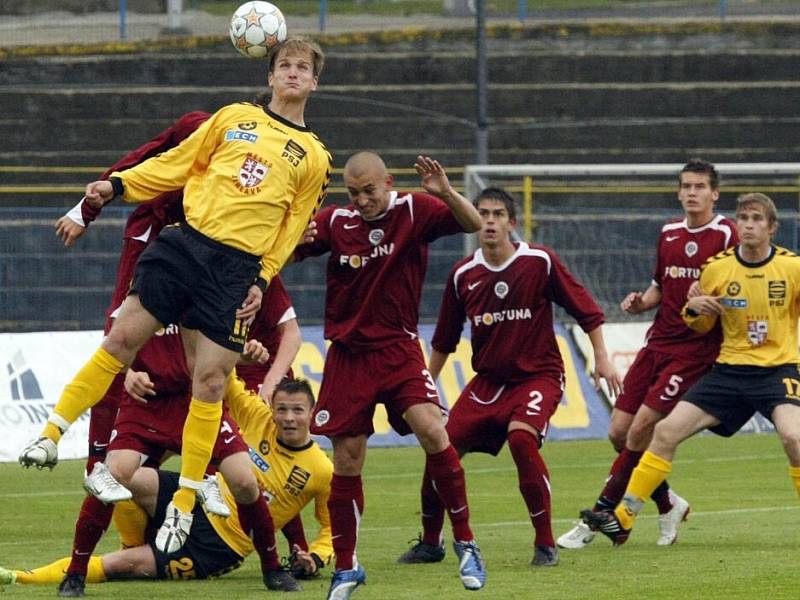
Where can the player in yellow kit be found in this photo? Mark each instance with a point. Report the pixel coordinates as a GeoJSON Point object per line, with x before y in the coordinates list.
{"type": "Point", "coordinates": [291, 468]}
{"type": "Point", "coordinates": [753, 291]}
{"type": "Point", "coordinates": [253, 177]}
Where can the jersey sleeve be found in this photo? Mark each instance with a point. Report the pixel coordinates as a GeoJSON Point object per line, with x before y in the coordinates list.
{"type": "Point", "coordinates": [321, 243]}
{"type": "Point", "coordinates": [247, 409]}
{"type": "Point", "coordinates": [308, 200]}
{"type": "Point", "coordinates": [171, 169]}
{"type": "Point", "coordinates": [571, 295]}
{"type": "Point", "coordinates": [434, 218]}
{"type": "Point", "coordinates": [701, 323]}
{"type": "Point", "coordinates": [323, 545]}
{"type": "Point", "coordinates": [450, 323]}
{"type": "Point", "coordinates": [169, 138]}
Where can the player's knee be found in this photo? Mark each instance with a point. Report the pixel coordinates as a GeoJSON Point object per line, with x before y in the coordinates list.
{"type": "Point", "coordinates": [243, 486]}
{"type": "Point", "coordinates": [210, 384]}
{"type": "Point", "coordinates": [617, 438]}
{"type": "Point", "coordinates": [432, 437]}
{"type": "Point", "coordinates": [791, 444]}
{"type": "Point", "coordinates": [665, 435]}
{"type": "Point", "coordinates": [122, 471]}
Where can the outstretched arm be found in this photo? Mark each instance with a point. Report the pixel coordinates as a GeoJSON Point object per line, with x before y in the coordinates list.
{"type": "Point", "coordinates": [435, 182]}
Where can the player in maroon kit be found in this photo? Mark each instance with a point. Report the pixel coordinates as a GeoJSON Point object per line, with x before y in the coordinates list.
{"type": "Point", "coordinates": [506, 291]}
{"type": "Point", "coordinates": [378, 255]}
{"type": "Point", "coordinates": [674, 357]}
{"type": "Point", "coordinates": [171, 374]}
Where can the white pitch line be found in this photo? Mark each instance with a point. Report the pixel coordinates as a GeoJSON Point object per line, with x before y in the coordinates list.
{"type": "Point", "coordinates": [707, 513]}
{"type": "Point", "coordinates": [559, 467]}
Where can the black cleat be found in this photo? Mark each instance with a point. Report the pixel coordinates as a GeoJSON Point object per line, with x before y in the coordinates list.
{"type": "Point", "coordinates": [422, 553]}
{"type": "Point", "coordinates": [281, 580]}
{"type": "Point", "coordinates": [72, 586]}
{"type": "Point", "coordinates": [606, 522]}
{"type": "Point", "coordinates": [545, 556]}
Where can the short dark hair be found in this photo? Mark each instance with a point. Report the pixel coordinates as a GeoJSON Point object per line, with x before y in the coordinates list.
{"type": "Point", "coordinates": [294, 44]}
{"type": "Point", "coordinates": [295, 386]}
{"type": "Point", "coordinates": [499, 195]}
{"type": "Point", "coordinates": [698, 165]}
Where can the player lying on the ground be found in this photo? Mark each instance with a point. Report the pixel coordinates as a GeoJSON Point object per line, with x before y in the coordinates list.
{"type": "Point", "coordinates": [291, 478]}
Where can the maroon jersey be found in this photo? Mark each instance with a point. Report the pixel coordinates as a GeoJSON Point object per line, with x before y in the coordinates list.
{"type": "Point", "coordinates": [276, 308]}
{"type": "Point", "coordinates": [510, 311]}
{"type": "Point", "coordinates": [376, 268]}
{"type": "Point", "coordinates": [163, 359]}
{"type": "Point", "coordinates": [681, 253]}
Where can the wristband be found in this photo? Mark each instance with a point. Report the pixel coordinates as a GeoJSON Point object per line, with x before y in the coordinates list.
{"type": "Point", "coordinates": [261, 284]}
{"type": "Point", "coordinates": [116, 184]}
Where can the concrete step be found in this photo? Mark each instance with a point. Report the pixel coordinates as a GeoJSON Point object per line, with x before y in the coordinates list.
{"type": "Point", "coordinates": [223, 68]}
{"type": "Point", "coordinates": [521, 133]}
{"type": "Point", "coordinates": [421, 104]}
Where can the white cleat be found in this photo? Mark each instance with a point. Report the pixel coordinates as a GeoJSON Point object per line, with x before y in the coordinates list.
{"type": "Point", "coordinates": [40, 453]}
{"type": "Point", "coordinates": [101, 484]}
{"type": "Point", "coordinates": [668, 522]}
{"type": "Point", "coordinates": [210, 496]}
{"type": "Point", "coordinates": [174, 532]}
{"type": "Point", "coordinates": [576, 538]}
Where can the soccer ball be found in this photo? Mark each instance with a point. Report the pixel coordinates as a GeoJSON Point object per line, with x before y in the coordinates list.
{"type": "Point", "coordinates": [256, 27]}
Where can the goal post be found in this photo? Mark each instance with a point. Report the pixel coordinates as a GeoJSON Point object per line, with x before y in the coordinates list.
{"type": "Point", "coordinates": [604, 219]}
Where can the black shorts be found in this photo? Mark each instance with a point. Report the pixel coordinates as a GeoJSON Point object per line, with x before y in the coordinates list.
{"type": "Point", "coordinates": [204, 554]}
{"type": "Point", "coordinates": [734, 393]}
{"type": "Point", "coordinates": [185, 277]}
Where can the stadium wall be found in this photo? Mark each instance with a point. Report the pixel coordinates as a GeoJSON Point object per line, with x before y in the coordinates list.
{"type": "Point", "coordinates": [36, 366]}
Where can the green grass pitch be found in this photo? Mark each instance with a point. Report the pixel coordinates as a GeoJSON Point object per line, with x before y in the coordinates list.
{"type": "Point", "coordinates": [741, 540]}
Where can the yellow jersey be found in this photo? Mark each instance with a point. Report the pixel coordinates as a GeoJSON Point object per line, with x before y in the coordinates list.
{"type": "Point", "coordinates": [290, 477]}
{"type": "Point", "coordinates": [761, 302]}
{"type": "Point", "coordinates": [252, 180]}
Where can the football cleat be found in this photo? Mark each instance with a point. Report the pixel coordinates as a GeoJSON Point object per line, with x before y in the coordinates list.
{"type": "Point", "coordinates": [72, 586]}
{"type": "Point", "coordinates": [281, 580]}
{"type": "Point", "coordinates": [40, 453]}
{"type": "Point", "coordinates": [345, 582]}
{"type": "Point", "coordinates": [606, 522]}
{"type": "Point", "coordinates": [101, 484]}
{"type": "Point", "coordinates": [545, 556]}
{"type": "Point", "coordinates": [422, 553]}
{"type": "Point", "coordinates": [210, 496]}
{"type": "Point", "coordinates": [471, 568]}
{"type": "Point", "coordinates": [576, 538]}
{"type": "Point", "coordinates": [174, 531]}
{"type": "Point", "coordinates": [668, 522]}
{"type": "Point", "coordinates": [7, 577]}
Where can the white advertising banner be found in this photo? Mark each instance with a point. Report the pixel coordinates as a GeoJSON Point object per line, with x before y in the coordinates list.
{"type": "Point", "coordinates": [33, 370]}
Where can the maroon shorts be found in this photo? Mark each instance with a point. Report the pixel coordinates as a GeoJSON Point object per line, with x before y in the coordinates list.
{"type": "Point", "coordinates": [658, 381]}
{"type": "Point", "coordinates": [154, 432]}
{"type": "Point", "coordinates": [480, 417]}
{"type": "Point", "coordinates": [355, 382]}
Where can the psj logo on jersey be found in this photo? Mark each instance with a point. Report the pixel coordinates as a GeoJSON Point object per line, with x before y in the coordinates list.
{"type": "Point", "coordinates": [509, 314]}
{"type": "Point", "coordinates": [358, 262]}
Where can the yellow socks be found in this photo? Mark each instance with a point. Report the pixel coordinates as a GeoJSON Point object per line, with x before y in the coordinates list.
{"type": "Point", "coordinates": [794, 473]}
{"type": "Point", "coordinates": [85, 390]}
{"type": "Point", "coordinates": [646, 477]}
{"type": "Point", "coordinates": [131, 522]}
{"type": "Point", "coordinates": [199, 436]}
{"type": "Point", "coordinates": [55, 572]}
